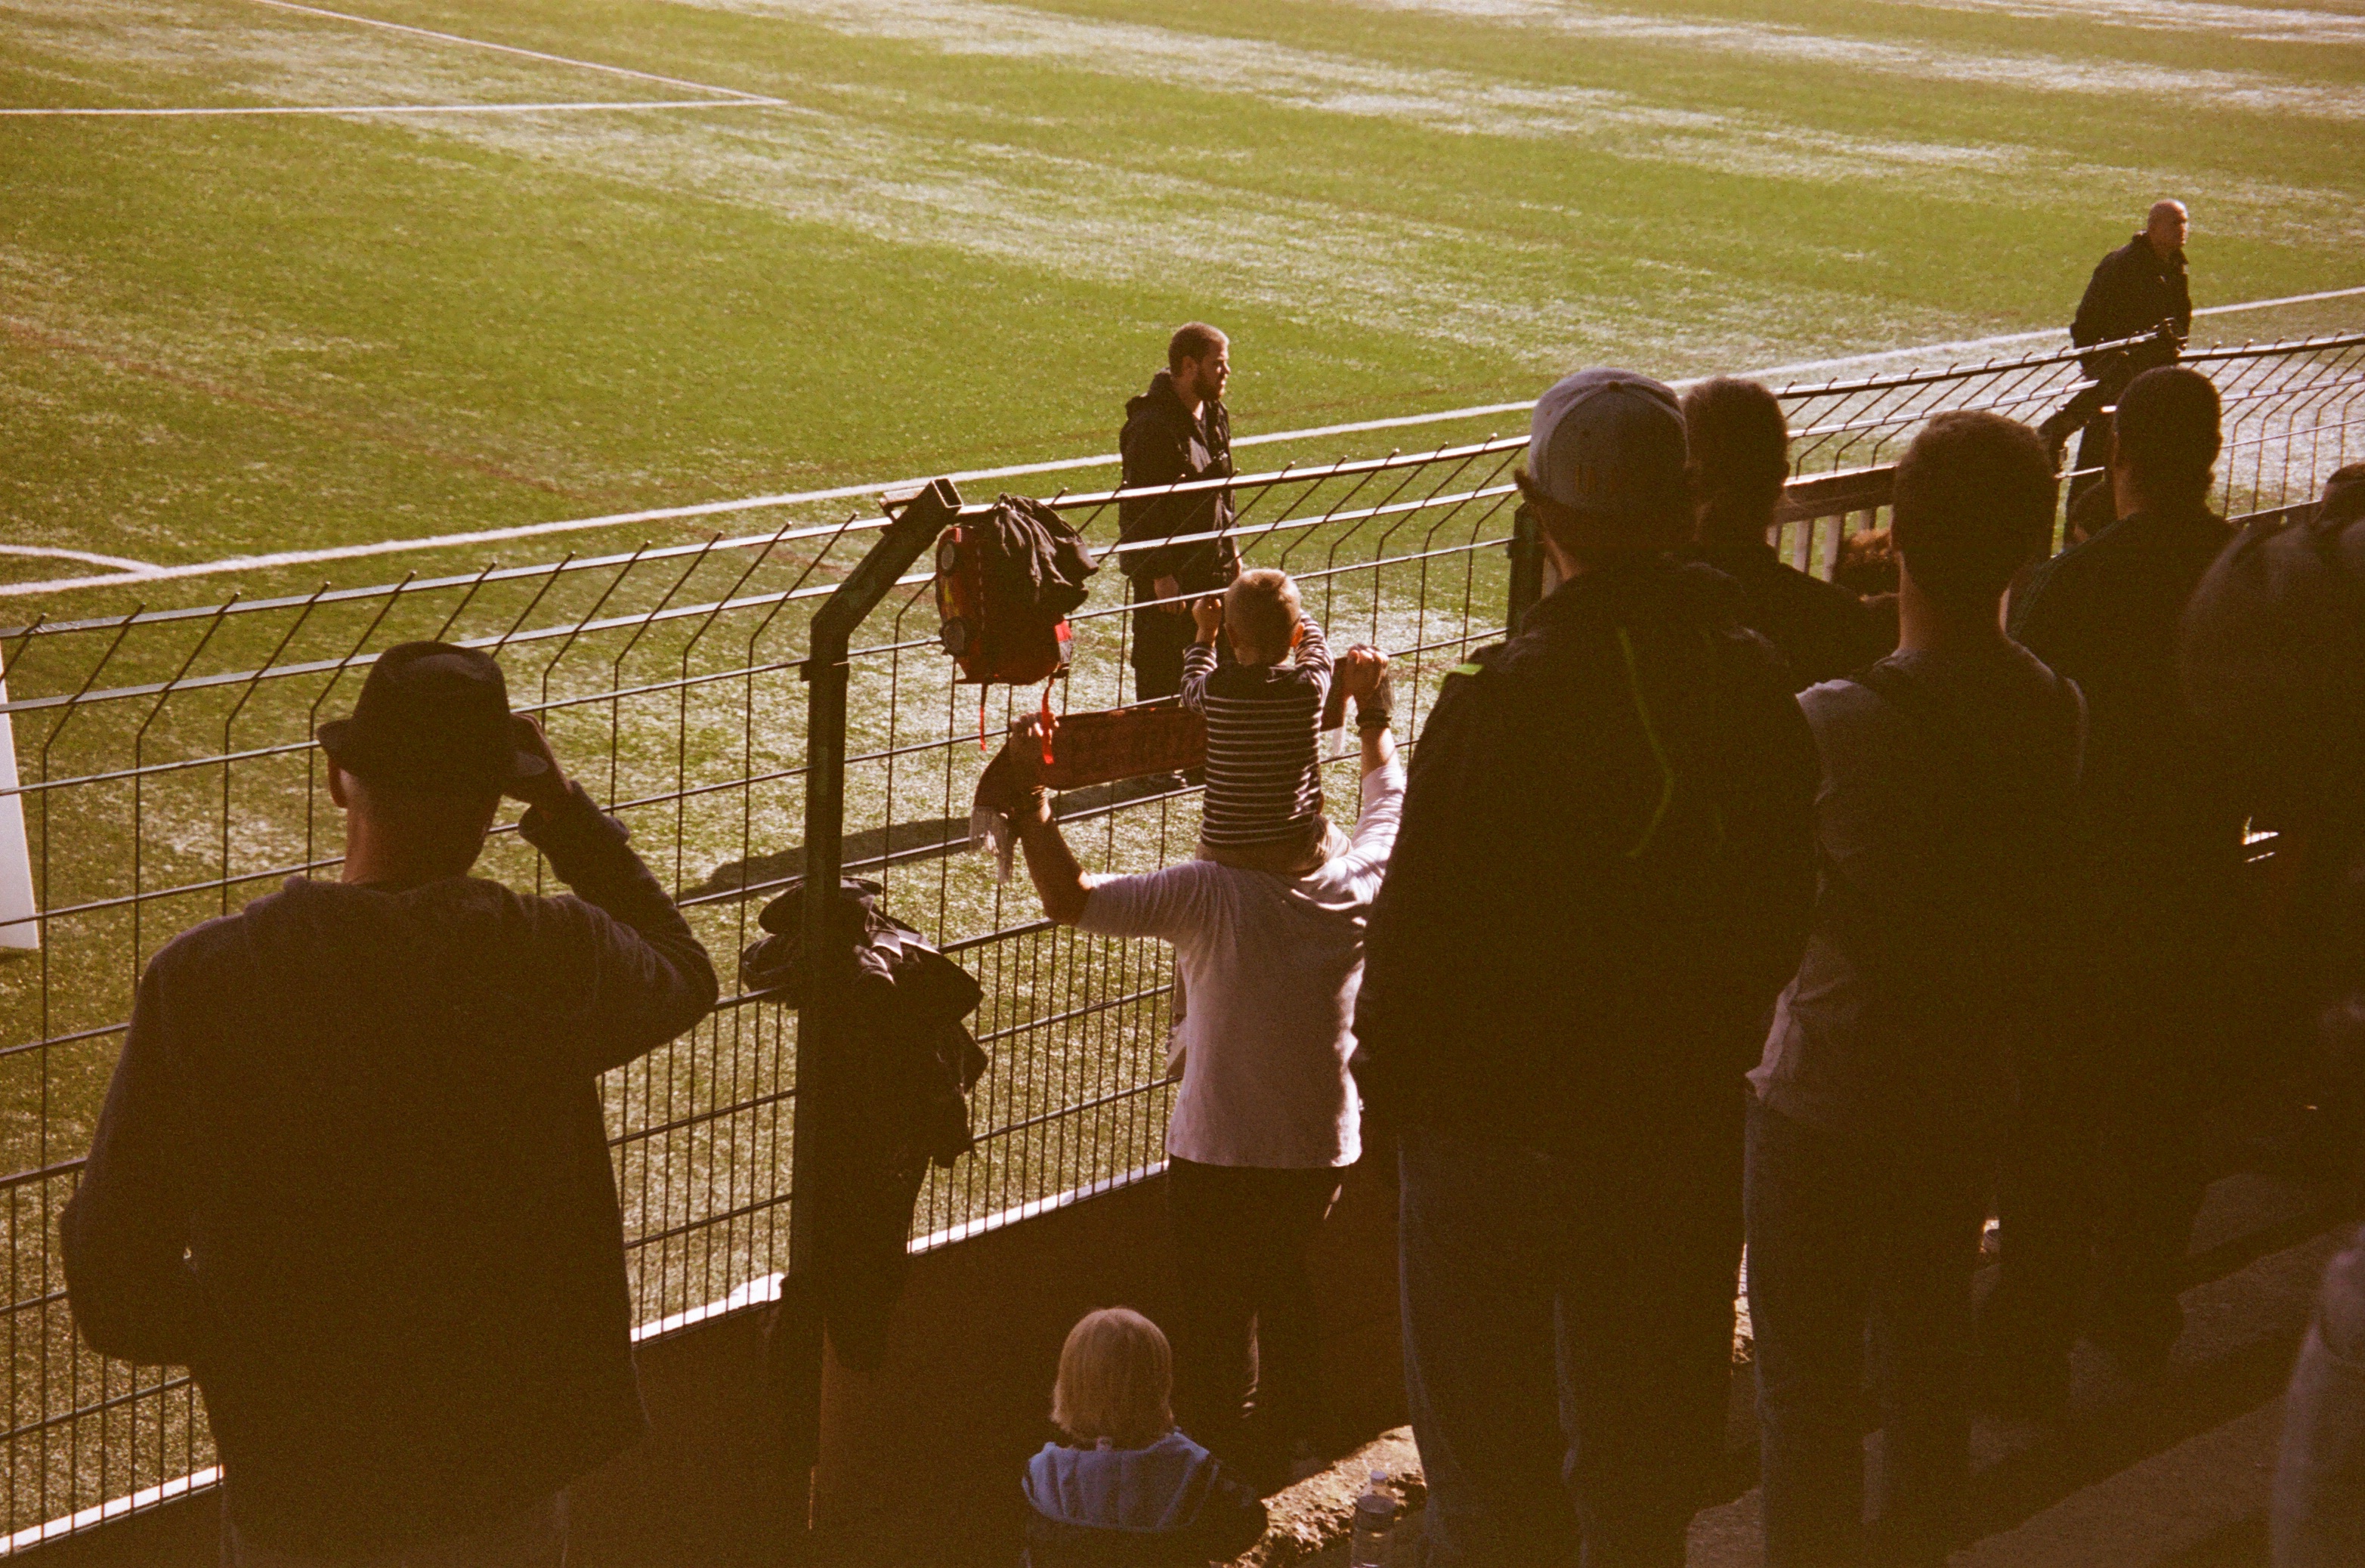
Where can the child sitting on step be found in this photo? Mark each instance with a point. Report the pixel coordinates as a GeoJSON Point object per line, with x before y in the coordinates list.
{"type": "Point", "coordinates": [1126, 1489]}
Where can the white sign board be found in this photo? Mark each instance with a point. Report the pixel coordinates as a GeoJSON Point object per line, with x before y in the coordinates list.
{"type": "Point", "coordinates": [18, 926]}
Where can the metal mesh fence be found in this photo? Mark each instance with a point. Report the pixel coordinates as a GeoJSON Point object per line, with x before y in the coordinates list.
{"type": "Point", "coordinates": [168, 776]}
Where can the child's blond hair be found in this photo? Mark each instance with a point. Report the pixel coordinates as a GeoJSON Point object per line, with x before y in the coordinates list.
{"type": "Point", "coordinates": [1264, 606]}
{"type": "Point", "coordinates": [1117, 1380]}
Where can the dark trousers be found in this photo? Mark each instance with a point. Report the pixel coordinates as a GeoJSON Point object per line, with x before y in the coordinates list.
{"type": "Point", "coordinates": [1568, 1340]}
{"type": "Point", "coordinates": [1160, 636]}
{"type": "Point", "coordinates": [2093, 452]}
{"type": "Point", "coordinates": [1846, 1235]}
{"type": "Point", "coordinates": [1246, 1338]}
{"type": "Point", "coordinates": [2096, 1196]}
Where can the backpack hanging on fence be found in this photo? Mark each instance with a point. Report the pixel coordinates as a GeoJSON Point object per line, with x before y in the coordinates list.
{"type": "Point", "coordinates": [1005, 582]}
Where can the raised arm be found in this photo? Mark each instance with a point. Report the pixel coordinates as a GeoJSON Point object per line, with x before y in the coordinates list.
{"type": "Point", "coordinates": [1199, 659]}
{"type": "Point", "coordinates": [1314, 652]}
{"type": "Point", "coordinates": [650, 978]}
{"type": "Point", "coordinates": [1050, 864]}
{"type": "Point", "coordinates": [1362, 674]}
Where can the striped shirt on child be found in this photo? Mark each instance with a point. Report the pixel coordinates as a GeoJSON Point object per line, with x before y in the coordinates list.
{"type": "Point", "coordinates": [1264, 724]}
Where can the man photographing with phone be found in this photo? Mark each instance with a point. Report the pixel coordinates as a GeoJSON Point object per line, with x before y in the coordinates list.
{"type": "Point", "coordinates": [353, 1170]}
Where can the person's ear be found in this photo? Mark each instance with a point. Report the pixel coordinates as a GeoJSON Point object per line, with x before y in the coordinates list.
{"type": "Point", "coordinates": [337, 790]}
{"type": "Point", "coordinates": [1298, 635]}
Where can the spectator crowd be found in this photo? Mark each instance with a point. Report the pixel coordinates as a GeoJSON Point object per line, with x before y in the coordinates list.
{"type": "Point", "coordinates": [1719, 907]}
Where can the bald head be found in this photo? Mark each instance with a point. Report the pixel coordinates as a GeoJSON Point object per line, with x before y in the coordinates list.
{"type": "Point", "coordinates": [2166, 226]}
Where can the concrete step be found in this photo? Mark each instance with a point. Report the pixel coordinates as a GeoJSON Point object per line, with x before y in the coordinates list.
{"type": "Point", "coordinates": [2170, 1470]}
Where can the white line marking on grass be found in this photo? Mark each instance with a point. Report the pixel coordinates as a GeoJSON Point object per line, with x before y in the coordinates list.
{"type": "Point", "coordinates": [414, 109]}
{"type": "Point", "coordinates": [1011, 471]}
{"type": "Point", "coordinates": [512, 49]}
{"type": "Point", "coordinates": [2286, 299]}
{"type": "Point", "coordinates": [121, 563]}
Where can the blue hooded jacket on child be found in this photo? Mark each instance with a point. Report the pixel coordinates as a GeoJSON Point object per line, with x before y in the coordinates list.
{"type": "Point", "coordinates": [1162, 1507]}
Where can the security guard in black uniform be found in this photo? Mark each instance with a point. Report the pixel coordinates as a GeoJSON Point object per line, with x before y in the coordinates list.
{"type": "Point", "coordinates": [2139, 289]}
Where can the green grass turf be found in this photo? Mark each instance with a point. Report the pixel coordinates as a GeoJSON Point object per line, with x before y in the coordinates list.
{"type": "Point", "coordinates": [965, 241]}
{"type": "Point", "coordinates": [960, 243]}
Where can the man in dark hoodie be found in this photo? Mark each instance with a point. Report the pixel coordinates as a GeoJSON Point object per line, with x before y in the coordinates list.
{"type": "Point", "coordinates": [2109, 1165]}
{"type": "Point", "coordinates": [352, 1171]}
{"type": "Point", "coordinates": [1177, 434]}
{"type": "Point", "coordinates": [1601, 882]}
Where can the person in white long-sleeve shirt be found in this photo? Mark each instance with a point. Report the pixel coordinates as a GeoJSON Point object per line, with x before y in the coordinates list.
{"type": "Point", "coordinates": [1266, 1118]}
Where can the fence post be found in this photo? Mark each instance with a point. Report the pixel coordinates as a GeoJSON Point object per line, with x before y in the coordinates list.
{"type": "Point", "coordinates": [1527, 549]}
{"type": "Point", "coordinates": [795, 1345]}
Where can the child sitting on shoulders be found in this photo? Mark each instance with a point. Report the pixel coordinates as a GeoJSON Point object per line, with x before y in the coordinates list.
{"type": "Point", "coordinates": [1263, 807]}
{"type": "Point", "coordinates": [1126, 1490]}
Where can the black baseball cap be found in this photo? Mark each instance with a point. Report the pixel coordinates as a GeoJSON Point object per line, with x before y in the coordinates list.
{"type": "Point", "coordinates": [434, 716]}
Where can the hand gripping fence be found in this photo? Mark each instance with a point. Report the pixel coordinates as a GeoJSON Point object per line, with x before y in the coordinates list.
{"type": "Point", "coordinates": [166, 775]}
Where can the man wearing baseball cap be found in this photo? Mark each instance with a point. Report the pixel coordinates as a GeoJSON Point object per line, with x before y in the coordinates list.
{"type": "Point", "coordinates": [1602, 881]}
{"type": "Point", "coordinates": [353, 1170]}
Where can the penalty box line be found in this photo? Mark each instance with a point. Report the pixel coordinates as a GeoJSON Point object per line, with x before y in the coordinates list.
{"type": "Point", "coordinates": [514, 49]}
{"type": "Point", "coordinates": [587, 106]}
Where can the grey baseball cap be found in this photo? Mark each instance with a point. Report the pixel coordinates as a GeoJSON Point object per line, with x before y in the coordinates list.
{"type": "Point", "coordinates": [1608, 444]}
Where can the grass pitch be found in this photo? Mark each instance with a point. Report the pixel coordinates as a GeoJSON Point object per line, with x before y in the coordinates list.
{"type": "Point", "coordinates": [611, 254]}
{"type": "Point", "coordinates": [960, 234]}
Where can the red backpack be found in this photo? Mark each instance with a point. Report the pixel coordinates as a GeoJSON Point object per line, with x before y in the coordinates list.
{"type": "Point", "coordinates": [1005, 581]}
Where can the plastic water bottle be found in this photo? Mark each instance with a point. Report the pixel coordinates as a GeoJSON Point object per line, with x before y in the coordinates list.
{"type": "Point", "coordinates": [1375, 1515]}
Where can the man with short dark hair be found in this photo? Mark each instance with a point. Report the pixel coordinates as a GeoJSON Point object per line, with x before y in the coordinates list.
{"type": "Point", "coordinates": [2109, 1164]}
{"type": "Point", "coordinates": [1947, 767]}
{"type": "Point", "coordinates": [1178, 432]}
{"type": "Point", "coordinates": [1740, 457]}
{"type": "Point", "coordinates": [353, 1170]}
{"type": "Point", "coordinates": [1601, 882]}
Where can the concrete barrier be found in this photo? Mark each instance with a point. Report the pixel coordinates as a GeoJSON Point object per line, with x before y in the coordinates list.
{"type": "Point", "coordinates": [921, 1459]}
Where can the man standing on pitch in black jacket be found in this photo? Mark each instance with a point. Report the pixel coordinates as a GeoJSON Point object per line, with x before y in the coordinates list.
{"type": "Point", "coordinates": [1602, 881]}
{"type": "Point", "coordinates": [2136, 289]}
{"type": "Point", "coordinates": [353, 1170]}
{"type": "Point", "coordinates": [1177, 433]}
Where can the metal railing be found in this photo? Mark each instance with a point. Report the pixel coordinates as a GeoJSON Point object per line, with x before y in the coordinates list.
{"type": "Point", "coordinates": [168, 776]}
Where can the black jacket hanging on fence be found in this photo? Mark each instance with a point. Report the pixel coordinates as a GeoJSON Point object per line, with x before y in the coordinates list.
{"type": "Point", "coordinates": [889, 1099]}
{"type": "Point", "coordinates": [1035, 562]}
